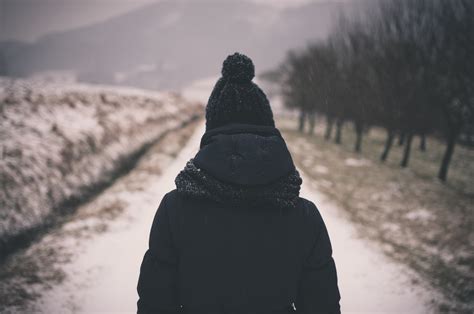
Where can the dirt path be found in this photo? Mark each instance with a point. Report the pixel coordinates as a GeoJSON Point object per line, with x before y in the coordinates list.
{"type": "Point", "coordinates": [101, 273]}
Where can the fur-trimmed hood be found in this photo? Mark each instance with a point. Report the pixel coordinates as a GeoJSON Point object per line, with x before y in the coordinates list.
{"type": "Point", "coordinates": [242, 164]}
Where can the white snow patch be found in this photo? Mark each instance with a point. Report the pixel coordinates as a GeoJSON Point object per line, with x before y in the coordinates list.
{"type": "Point", "coordinates": [391, 227]}
{"type": "Point", "coordinates": [307, 162]}
{"type": "Point", "coordinates": [352, 162]}
{"type": "Point", "coordinates": [321, 169]}
{"type": "Point", "coordinates": [325, 183]}
{"type": "Point", "coordinates": [421, 214]}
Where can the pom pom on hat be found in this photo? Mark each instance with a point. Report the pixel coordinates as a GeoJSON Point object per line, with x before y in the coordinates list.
{"type": "Point", "coordinates": [238, 68]}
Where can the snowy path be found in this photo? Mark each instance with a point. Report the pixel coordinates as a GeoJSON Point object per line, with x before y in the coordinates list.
{"type": "Point", "coordinates": [104, 278]}
{"type": "Point", "coordinates": [368, 281]}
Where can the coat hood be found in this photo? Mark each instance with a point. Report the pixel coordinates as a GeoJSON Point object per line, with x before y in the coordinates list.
{"type": "Point", "coordinates": [244, 165]}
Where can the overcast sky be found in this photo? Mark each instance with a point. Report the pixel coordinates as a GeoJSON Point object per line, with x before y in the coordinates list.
{"type": "Point", "coordinates": [27, 20]}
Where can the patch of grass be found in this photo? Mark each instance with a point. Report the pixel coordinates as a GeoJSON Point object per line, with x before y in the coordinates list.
{"type": "Point", "coordinates": [419, 220]}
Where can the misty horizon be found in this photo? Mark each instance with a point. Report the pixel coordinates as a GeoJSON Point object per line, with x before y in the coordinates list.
{"type": "Point", "coordinates": [148, 46]}
{"type": "Point", "coordinates": [29, 20]}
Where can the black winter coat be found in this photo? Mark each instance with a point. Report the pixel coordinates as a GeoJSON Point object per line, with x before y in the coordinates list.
{"type": "Point", "coordinates": [235, 237]}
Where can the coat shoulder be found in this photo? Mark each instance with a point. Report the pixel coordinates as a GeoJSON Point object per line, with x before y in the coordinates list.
{"type": "Point", "coordinates": [171, 195]}
{"type": "Point", "coordinates": [309, 211]}
{"type": "Point", "coordinates": [175, 201]}
{"type": "Point", "coordinates": [174, 197]}
{"type": "Point", "coordinates": [171, 200]}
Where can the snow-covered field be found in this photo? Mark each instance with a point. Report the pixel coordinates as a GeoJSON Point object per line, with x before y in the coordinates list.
{"type": "Point", "coordinates": [60, 142]}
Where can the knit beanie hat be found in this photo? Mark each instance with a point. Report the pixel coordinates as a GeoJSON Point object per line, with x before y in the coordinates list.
{"type": "Point", "coordinates": [235, 98]}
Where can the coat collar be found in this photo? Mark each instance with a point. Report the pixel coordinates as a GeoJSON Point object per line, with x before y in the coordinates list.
{"type": "Point", "coordinates": [242, 164]}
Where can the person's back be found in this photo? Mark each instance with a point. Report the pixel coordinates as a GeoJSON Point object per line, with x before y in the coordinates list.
{"type": "Point", "coordinates": [235, 237]}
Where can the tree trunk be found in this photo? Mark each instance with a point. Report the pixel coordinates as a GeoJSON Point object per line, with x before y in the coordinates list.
{"type": "Point", "coordinates": [339, 124]}
{"type": "Point", "coordinates": [423, 142]}
{"type": "Point", "coordinates": [448, 153]}
{"type": "Point", "coordinates": [358, 143]}
{"type": "Point", "coordinates": [388, 145]}
{"type": "Point", "coordinates": [301, 121]}
{"type": "Point", "coordinates": [312, 122]}
{"type": "Point", "coordinates": [329, 124]}
{"type": "Point", "coordinates": [401, 139]}
{"type": "Point", "coordinates": [406, 151]}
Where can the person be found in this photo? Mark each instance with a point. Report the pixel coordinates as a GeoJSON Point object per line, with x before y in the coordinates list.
{"type": "Point", "coordinates": [234, 236]}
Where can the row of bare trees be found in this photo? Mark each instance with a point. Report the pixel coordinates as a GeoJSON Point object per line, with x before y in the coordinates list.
{"type": "Point", "coordinates": [406, 66]}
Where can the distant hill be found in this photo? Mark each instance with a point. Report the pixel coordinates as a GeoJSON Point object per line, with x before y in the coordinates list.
{"type": "Point", "coordinates": [168, 44]}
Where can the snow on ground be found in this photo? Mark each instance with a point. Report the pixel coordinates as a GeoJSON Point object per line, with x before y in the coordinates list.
{"type": "Point", "coordinates": [360, 162]}
{"type": "Point", "coordinates": [369, 281]}
{"type": "Point", "coordinates": [98, 248]}
{"type": "Point", "coordinates": [59, 140]}
{"type": "Point", "coordinates": [415, 219]}
{"type": "Point", "coordinates": [91, 263]}
{"type": "Point", "coordinates": [104, 275]}
{"type": "Point", "coordinates": [108, 268]}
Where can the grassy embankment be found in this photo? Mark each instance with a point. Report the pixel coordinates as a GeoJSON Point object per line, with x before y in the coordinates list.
{"type": "Point", "coordinates": [29, 274]}
{"type": "Point", "coordinates": [63, 144]}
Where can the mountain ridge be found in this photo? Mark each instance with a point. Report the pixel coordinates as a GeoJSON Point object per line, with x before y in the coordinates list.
{"type": "Point", "coordinates": [166, 45]}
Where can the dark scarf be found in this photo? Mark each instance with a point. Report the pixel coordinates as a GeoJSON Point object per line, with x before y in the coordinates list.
{"type": "Point", "coordinates": [207, 176]}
